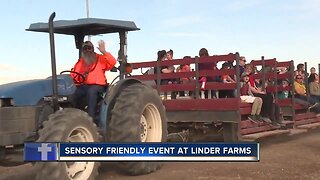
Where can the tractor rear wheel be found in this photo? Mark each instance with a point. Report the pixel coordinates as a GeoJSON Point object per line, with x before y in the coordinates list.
{"type": "Point", "coordinates": [138, 115]}
{"type": "Point", "coordinates": [68, 125]}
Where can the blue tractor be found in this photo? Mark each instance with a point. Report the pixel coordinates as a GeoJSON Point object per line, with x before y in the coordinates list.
{"type": "Point", "coordinates": [41, 110]}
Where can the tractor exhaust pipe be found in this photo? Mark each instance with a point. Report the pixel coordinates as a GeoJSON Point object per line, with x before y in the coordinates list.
{"type": "Point", "coordinates": [53, 63]}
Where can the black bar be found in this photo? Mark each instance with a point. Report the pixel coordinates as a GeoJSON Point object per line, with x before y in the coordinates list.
{"type": "Point", "coordinates": [319, 69]}
{"type": "Point", "coordinates": [275, 83]}
{"type": "Point", "coordinates": [79, 38]}
{"type": "Point", "coordinates": [238, 74]}
{"type": "Point", "coordinates": [123, 53]}
{"type": "Point", "coordinates": [292, 79]}
{"type": "Point", "coordinates": [263, 74]}
{"type": "Point", "coordinates": [197, 91]}
{"type": "Point", "coordinates": [306, 79]}
{"type": "Point", "coordinates": [158, 76]}
{"type": "Point", "coordinates": [236, 127]}
{"type": "Point", "coordinates": [53, 63]}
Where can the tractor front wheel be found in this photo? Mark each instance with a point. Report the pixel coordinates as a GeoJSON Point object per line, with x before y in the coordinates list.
{"type": "Point", "coordinates": [68, 125]}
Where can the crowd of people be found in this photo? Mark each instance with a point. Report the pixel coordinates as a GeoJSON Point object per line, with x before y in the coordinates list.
{"type": "Point", "coordinates": [306, 88]}
{"type": "Point", "coordinates": [252, 90]}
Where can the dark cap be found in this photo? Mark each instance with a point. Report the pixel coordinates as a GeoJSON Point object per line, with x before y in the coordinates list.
{"type": "Point", "coordinates": [87, 43]}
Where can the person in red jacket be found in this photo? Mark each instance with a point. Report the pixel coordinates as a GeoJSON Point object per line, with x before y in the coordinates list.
{"type": "Point", "coordinates": [93, 67]}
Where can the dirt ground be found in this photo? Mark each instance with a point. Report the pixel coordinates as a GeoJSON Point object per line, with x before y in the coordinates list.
{"type": "Point", "coordinates": [295, 157]}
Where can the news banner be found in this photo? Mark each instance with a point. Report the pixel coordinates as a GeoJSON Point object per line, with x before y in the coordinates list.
{"type": "Point", "coordinates": [141, 152]}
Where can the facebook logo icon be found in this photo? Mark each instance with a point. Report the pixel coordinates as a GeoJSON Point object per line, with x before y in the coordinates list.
{"type": "Point", "coordinates": [40, 151]}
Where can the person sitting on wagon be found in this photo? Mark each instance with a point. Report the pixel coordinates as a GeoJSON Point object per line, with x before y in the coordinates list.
{"type": "Point", "coordinates": [226, 79]}
{"type": "Point", "coordinates": [247, 96]}
{"type": "Point", "coordinates": [300, 70]}
{"type": "Point", "coordinates": [314, 86]}
{"type": "Point", "coordinates": [169, 69]}
{"type": "Point", "coordinates": [185, 80]}
{"type": "Point", "coordinates": [268, 107]}
{"type": "Point", "coordinates": [172, 69]}
{"type": "Point", "coordinates": [301, 93]}
{"type": "Point", "coordinates": [312, 71]}
{"type": "Point", "coordinates": [203, 52]}
{"type": "Point", "coordinates": [162, 56]}
{"type": "Point", "coordinates": [278, 115]}
{"type": "Point", "coordinates": [242, 63]}
{"type": "Point", "coordinates": [285, 93]}
{"type": "Point", "coordinates": [93, 67]}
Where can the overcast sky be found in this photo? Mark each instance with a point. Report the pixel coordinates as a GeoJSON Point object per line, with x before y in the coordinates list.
{"type": "Point", "coordinates": [287, 29]}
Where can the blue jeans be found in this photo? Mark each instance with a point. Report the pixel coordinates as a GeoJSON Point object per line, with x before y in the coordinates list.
{"type": "Point", "coordinates": [317, 98]}
{"type": "Point", "coordinates": [90, 92]}
{"type": "Point", "coordinates": [310, 99]}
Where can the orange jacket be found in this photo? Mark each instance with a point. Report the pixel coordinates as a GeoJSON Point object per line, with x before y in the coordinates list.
{"type": "Point", "coordinates": [95, 73]}
{"type": "Point", "coordinates": [300, 88]}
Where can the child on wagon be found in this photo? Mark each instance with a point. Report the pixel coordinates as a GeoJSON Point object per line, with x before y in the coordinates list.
{"type": "Point", "coordinates": [226, 79]}
{"type": "Point", "coordinates": [185, 80]}
{"type": "Point", "coordinates": [247, 96]}
{"type": "Point", "coordinates": [285, 93]}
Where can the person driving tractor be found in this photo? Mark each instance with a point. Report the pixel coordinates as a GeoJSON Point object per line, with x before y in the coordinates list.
{"type": "Point", "coordinates": [92, 67]}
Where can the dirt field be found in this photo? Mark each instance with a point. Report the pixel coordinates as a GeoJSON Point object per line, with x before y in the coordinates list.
{"type": "Point", "coordinates": [296, 157]}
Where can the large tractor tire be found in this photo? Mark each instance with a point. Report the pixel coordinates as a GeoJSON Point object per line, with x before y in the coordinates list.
{"type": "Point", "coordinates": [138, 115]}
{"type": "Point", "coordinates": [68, 125]}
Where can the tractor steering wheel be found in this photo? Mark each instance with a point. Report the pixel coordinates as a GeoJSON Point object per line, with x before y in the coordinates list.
{"type": "Point", "coordinates": [82, 78]}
